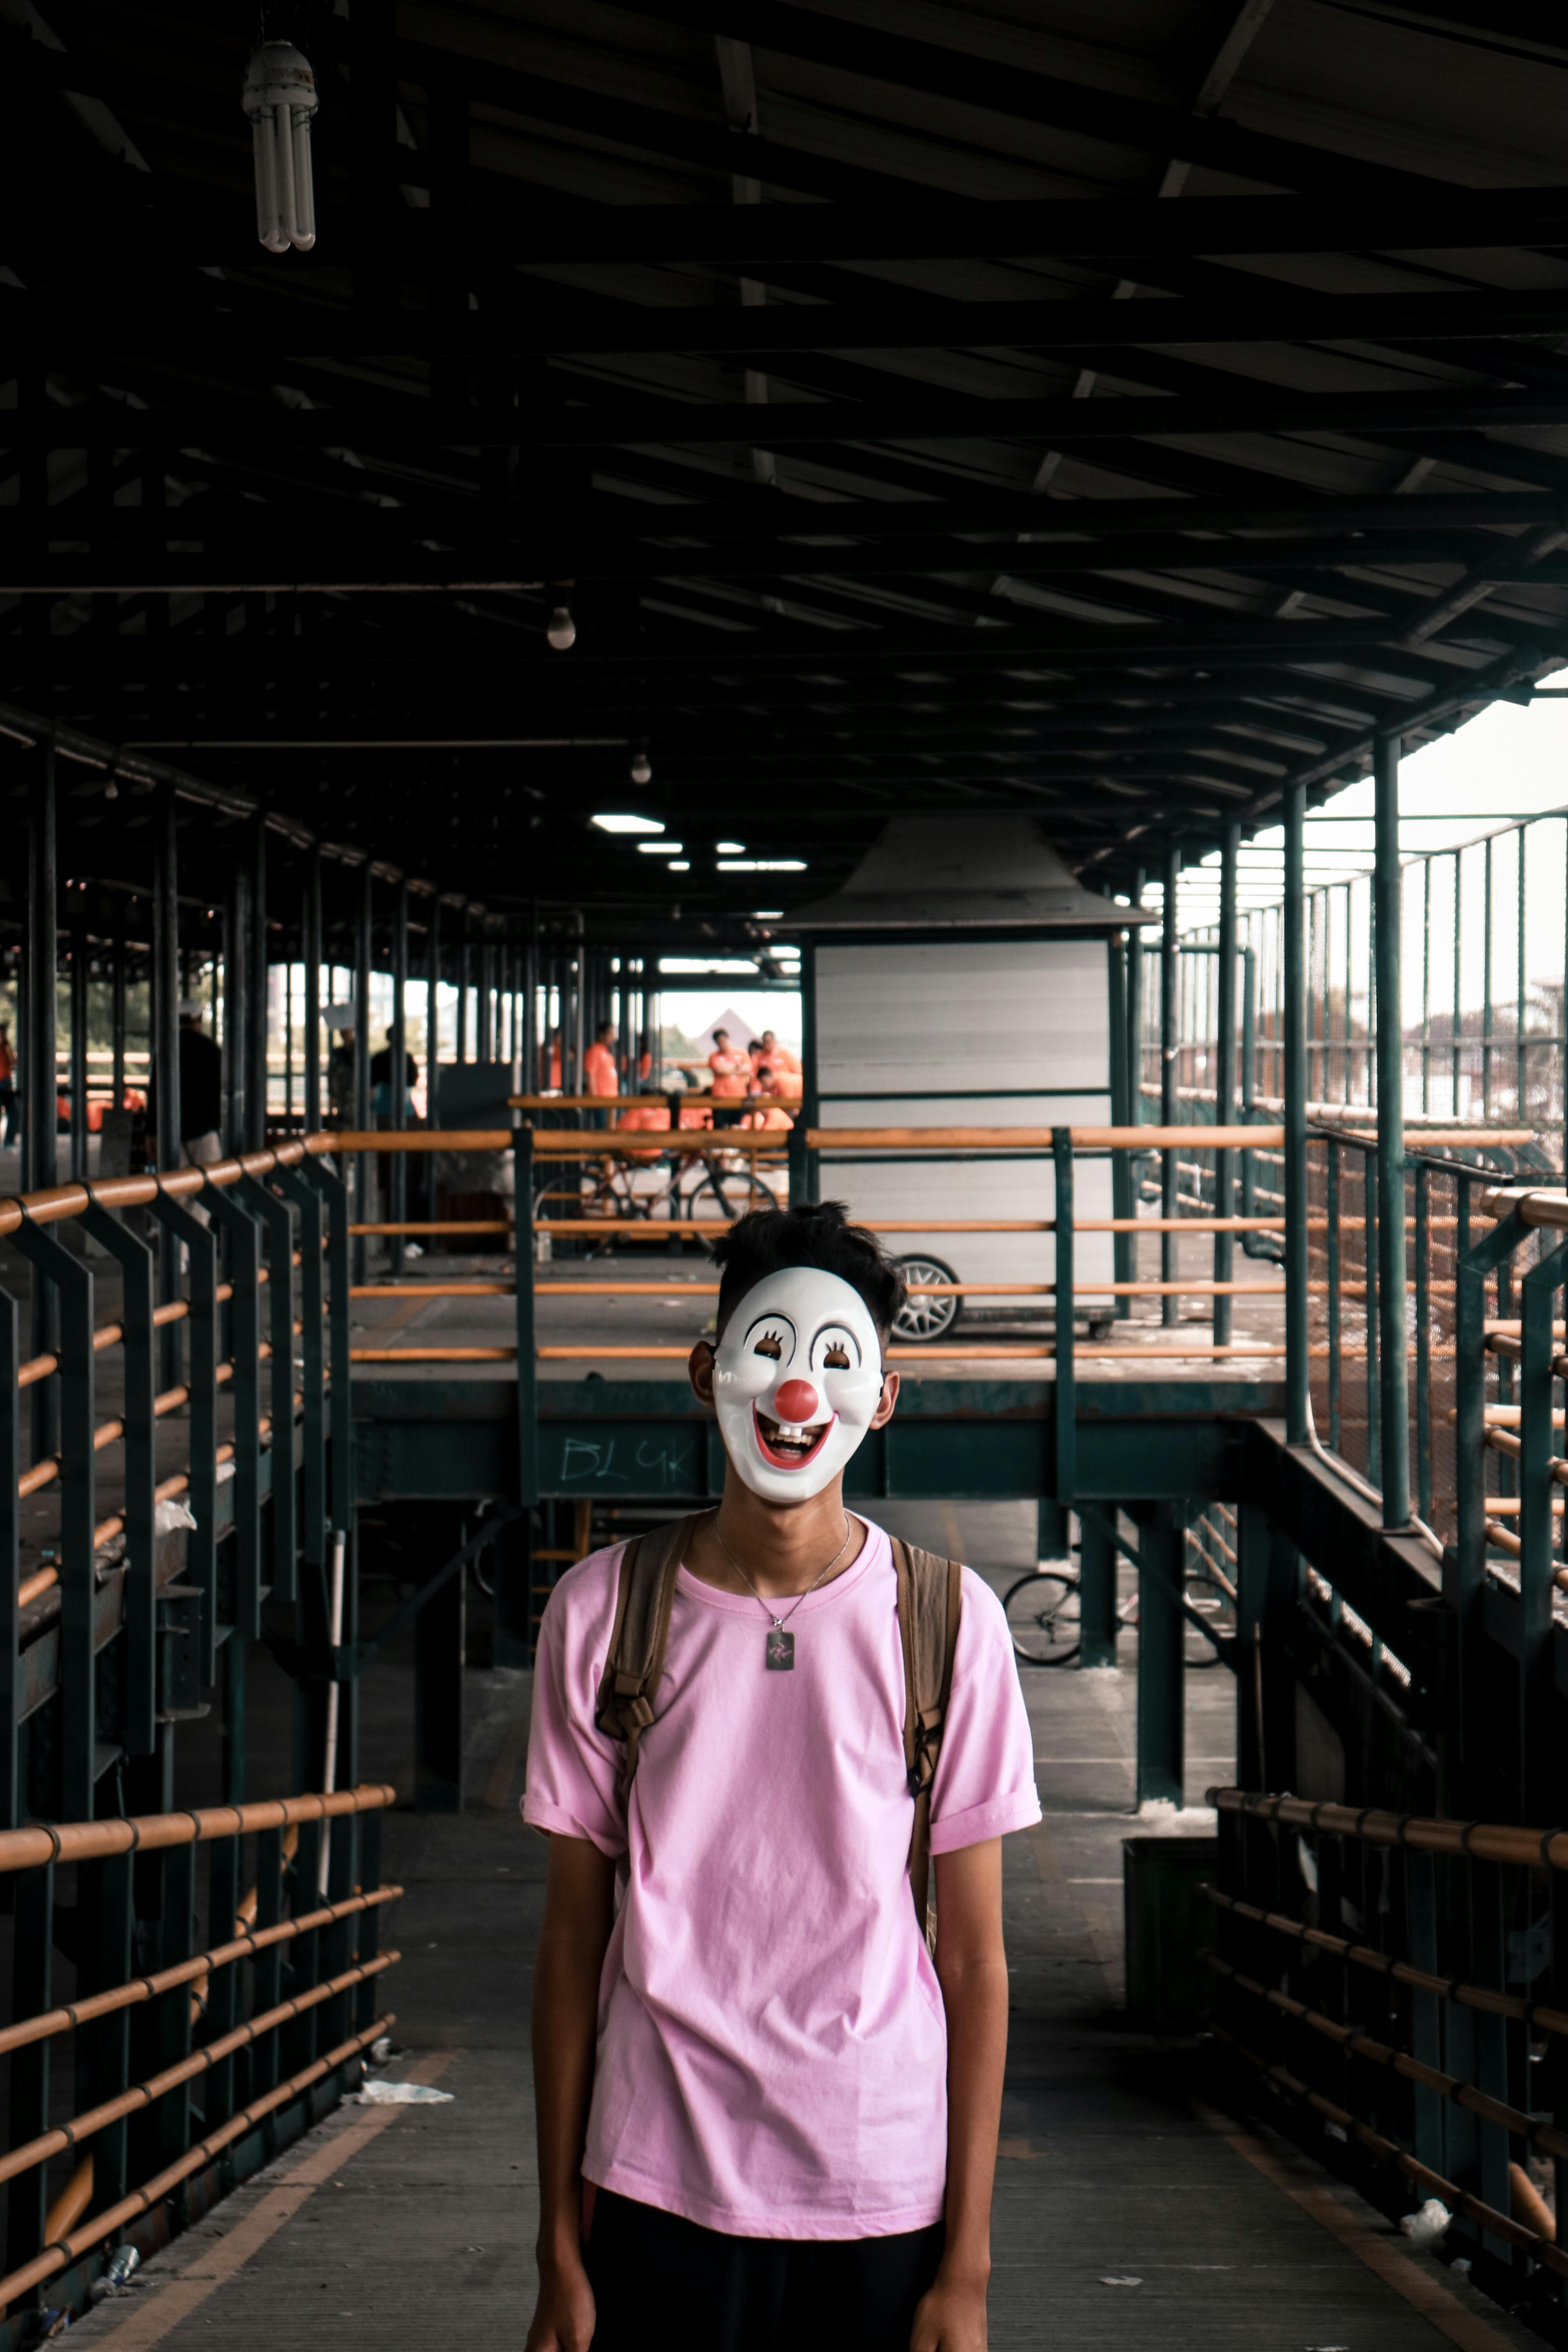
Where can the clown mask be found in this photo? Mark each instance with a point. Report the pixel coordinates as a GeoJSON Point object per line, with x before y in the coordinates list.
{"type": "Point", "coordinates": [798, 1378]}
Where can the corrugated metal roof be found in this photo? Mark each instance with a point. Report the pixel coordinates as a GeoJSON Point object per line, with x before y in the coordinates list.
{"type": "Point", "coordinates": [1244, 454]}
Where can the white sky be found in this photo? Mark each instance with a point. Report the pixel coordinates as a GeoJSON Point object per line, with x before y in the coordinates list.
{"type": "Point", "coordinates": [691, 1009]}
{"type": "Point", "coordinates": [1508, 761]}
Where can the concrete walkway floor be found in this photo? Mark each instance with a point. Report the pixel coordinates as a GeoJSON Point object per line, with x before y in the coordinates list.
{"type": "Point", "coordinates": [1128, 2214]}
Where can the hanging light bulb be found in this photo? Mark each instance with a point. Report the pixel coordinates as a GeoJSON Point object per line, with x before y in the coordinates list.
{"type": "Point", "coordinates": [563, 630]}
{"type": "Point", "coordinates": [642, 767]}
{"type": "Point", "coordinates": [279, 98]}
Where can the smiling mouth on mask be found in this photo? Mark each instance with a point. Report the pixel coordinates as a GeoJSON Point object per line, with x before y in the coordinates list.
{"type": "Point", "coordinates": [787, 1448]}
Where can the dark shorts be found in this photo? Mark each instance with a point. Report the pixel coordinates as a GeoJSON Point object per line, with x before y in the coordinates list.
{"type": "Point", "coordinates": [662, 2282]}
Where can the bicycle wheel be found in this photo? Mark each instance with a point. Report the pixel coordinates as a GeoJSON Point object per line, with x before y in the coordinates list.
{"type": "Point", "coordinates": [731, 1193]}
{"type": "Point", "coordinates": [1042, 1618]}
{"type": "Point", "coordinates": [920, 1320]}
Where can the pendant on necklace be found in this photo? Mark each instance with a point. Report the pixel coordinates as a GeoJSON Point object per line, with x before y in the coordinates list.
{"type": "Point", "coordinates": [780, 1650]}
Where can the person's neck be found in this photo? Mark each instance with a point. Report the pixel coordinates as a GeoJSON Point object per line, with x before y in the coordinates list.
{"type": "Point", "coordinates": [782, 1548]}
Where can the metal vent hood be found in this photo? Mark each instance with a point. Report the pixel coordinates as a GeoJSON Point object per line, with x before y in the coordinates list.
{"type": "Point", "coordinates": [961, 873]}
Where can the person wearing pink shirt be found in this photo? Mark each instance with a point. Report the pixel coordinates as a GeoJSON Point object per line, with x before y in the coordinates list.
{"type": "Point", "coordinates": [767, 2110]}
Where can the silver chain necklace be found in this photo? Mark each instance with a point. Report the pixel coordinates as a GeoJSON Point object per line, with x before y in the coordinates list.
{"type": "Point", "coordinates": [780, 1650]}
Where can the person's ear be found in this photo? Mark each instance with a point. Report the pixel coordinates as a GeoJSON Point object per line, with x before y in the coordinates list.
{"type": "Point", "coordinates": [885, 1402]}
{"type": "Point", "coordinates": [700, 1372]}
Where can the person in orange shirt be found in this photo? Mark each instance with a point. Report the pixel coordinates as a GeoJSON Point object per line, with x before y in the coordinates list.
{"type": "Point", "coordinates": [652, 1114]}
{"type": "Point", "coordinates": [784, 1067]}
{"type": "Point", "coordinates": [768, 1111]}
{"type": "Point", "coordinates": [601, 1067]}
{"type": "Point", "coordinates": [732, 1078]}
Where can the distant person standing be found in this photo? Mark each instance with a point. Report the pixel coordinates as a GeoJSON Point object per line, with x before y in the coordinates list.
{"type": "Point", "coordinates": [8, 1086]}
{"type": "Point", "coordinates": [381, 1095]}
{"type": "Point", "coordinates": [339, 1020]}
{"type": "Point", "coordinates": [201, 1091]}
{"type": "Point", "coordinates": [601, 1065]}
{"type": "Point", "coordinates": [731, 1072]}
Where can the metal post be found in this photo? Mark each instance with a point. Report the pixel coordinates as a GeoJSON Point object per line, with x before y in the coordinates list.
{"type": "Point", "coordinates": [1225, 1074]}
{"type": "Point", "coordinates": [1457, 1027]}
{"type": "Point", "coordinates": [1135, 1010]}
{"type": "Point", "coordinates": [1520, 985]}
{"type": "Point", "coordinates": [1295, 1027]}
{"type": "Point", "coordinates": [433, 1026]}
{"type": "Point", "coordinates": [1065, 1393]}
{"type": "Point", "coordinates": [310, 950]}
{"type": "Point", "coordinates": [1169, 969]}
{"type": "Point", "coordinates": [1162, 1655]}
{"type": "Point", "coordinates": [397, 1173]}
{"type": "Point", "coordinates": [514, 1551]}
{"type": "Point", "coordinates": [485, 1024]}
{"type": "Point", "coordinates": [464, 958]}
{"type": "Point", "coordinates": [1390, 1047]}
{"type": "Point", "coordinates": [364, 1177]}
{"type": "Point", "coordinates": [166, 1051]}
{"type": "Point", "coordinates": [79, 1053]}
{"type": "Point", "coordinates": [1426, 985]}
{"type": "Point", "coordinates": [117, 1018]}
{"type": "Point", "coordinates": [254, 950]}
{"type": "Point", "coordinates": [1124, 1260]}
{"type": "Point", "coordinates": [237, 1007]}
{"type": "Point", "coordinates": [42, 999]}
{"type": "Point", "coordinates": [1097, 1589]}
{"type": "Point", "coordinates": [1486, 985]}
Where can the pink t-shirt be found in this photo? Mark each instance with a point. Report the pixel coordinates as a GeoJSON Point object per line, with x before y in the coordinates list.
{"type": "Point", "coordinates": [773, 2047]}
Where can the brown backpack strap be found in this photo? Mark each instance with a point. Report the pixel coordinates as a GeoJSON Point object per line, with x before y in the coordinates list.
{"type": "Point", "coordinates": [930, 1601]}
{"type": "Point", "coordinates": [634, 1665]}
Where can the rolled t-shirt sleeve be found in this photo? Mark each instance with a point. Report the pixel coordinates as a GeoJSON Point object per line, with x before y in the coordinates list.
{"type": "Point", "coordinates": [573, 1770]}
{"type": "Point", "coordinates": [984, 1783]}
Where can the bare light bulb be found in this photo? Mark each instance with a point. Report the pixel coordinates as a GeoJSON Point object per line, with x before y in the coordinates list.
{"type": "Point", "coordinates": [642, 769]}
{"type": "Point", "coordinates": [280, 97]}
{"type": "Point", "coordinates": [563, 630]}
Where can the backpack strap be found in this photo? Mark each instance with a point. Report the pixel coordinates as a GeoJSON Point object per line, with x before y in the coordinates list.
{"type": "Point", "coordinates": [634, 1665]}
{"type": "Point", "coordinates": [930, 1601]}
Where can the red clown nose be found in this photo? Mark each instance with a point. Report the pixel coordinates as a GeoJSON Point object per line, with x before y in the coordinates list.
{"type": "Point", "coordinates": [796, 1403]}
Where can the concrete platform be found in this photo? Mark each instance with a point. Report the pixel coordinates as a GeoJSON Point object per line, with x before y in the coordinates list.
{"type": "Point", "coordinates": [1127, 2214]}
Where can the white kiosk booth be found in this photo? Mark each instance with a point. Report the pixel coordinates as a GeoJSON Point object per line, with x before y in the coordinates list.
{"type": "Point", "coordinates": [964, 978]}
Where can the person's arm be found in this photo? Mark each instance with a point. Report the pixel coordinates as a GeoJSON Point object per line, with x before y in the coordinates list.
{"type": "Point", "coordinates": [972, 1968]}
{"type": "Point", "coordinates": [579, 1910]}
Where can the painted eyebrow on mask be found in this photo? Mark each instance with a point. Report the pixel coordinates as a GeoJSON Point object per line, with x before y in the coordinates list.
{"type": "Point", "coordinates": [833, 1324]}
{"type": "Point", "coordinates": [778, 1326]}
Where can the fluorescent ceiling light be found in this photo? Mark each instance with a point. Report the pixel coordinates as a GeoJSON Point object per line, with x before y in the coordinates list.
{"type": "Point", "coordinates": [766, 914]}
{"type": "Point", "coordinates": [706, 964]}
{"type": "Point", "coordinates": [761, 865]}
{"type": "Point", "coordinates": [661, 848]}
{"type": "Point", "coordinates": [627, 823]}
{"type": "Point", "coordinates": [679, 865]}
{"type": "Point", "coordinates": [731, 849]}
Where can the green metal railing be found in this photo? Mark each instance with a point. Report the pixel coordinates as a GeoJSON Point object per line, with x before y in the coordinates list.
{"type": "Point", "coordinates": [249, 2005]}
{"type": "Point", "coordinates": [1395, 1985]}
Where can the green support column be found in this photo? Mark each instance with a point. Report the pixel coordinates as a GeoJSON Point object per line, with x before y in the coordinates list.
{"type": "Point", "coordinates": [1295, 1026]}
{"type": "Point", "coordinates": [1389, 1046]}
{"type": "Point", "coordinates": [364, 1172]}
{"type": "Point", "coordinates": [1123, 1245]}
{"type": "Point", "coordinates": [1224, 1105]}
{"type": "Point", "coordinates": [1162, 1653]}
{"type": "Point", "coordinates": [1170, 1306]}
{"type": "Point", "coordinates": [1097, 1591]}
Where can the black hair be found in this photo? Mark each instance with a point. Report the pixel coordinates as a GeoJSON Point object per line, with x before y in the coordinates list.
{"type": "Point", "coordinates": [818, 1233]}
{"type": "Point", "coordinates": [604, 1029]}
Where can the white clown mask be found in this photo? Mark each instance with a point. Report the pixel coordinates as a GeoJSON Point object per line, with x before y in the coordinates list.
{"type": "Point", "coordinates": [798, 1378]}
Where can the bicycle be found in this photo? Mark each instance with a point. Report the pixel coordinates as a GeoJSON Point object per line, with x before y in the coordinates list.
{"type": "Point", "coordinates": [703, 1187]}
{"type": "Point", "coordinates": [1043, 1616]}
